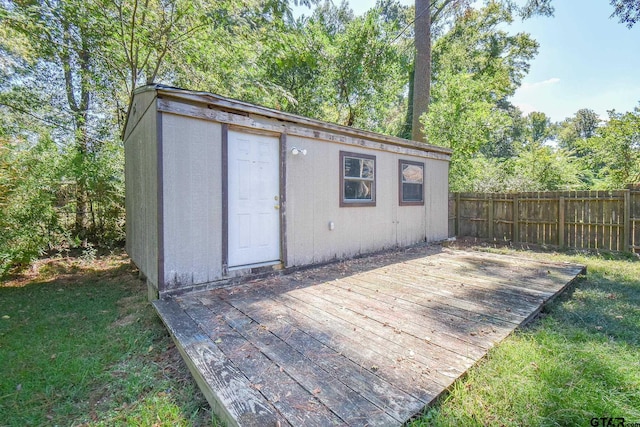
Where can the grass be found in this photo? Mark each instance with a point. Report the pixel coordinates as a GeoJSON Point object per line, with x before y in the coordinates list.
{"type": "Point", "coordinates": [80, 345]}
{"type": "Point", "coordinates": [580, 360]}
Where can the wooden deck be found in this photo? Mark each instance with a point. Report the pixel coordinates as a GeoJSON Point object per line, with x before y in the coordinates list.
{"type": "Point", "coordinates": [368, 342]}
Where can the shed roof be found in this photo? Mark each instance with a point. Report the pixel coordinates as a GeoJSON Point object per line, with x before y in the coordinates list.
{"type": "Point", "coordinates": [213, 101]}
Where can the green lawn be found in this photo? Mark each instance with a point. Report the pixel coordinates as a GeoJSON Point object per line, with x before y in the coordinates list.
{"type": "Point", "coordinates": [79, 344]}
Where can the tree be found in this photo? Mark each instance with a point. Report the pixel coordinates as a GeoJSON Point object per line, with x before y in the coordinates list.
{"type": "Point", "coordinates": [539, 127]}
{"type": "Point", "coordinates": [617, 146]}
{"type": "Point", "coordinates": [627, 11]}
{"type": "Point", "coordinates": [540, 167]}
{"type": "Point", "coordinates": [476, 66]}
{"type": "Point", "coordinates": [64, 36]}
{"type": "Point", "coordinates": [508, 140]}
{"type": "Point", "coordinates": [573, 131]}
{"type": "Point", "coordinates": [426, 15]}
{"type": "Point", "coordinates": [340, 68]}
{"type": "Point", "coordinates": [421, 67]}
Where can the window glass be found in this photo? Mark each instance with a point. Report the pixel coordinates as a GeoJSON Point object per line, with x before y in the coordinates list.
{"type": "Point", "coordinates": [412, 173]}
{"type": "Point", "coordinates": [357, 179]}
{"type": "Point", "coordinates": [411, 183]}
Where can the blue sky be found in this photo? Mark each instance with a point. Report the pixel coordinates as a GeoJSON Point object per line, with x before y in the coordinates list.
{"type": "Point", "coordinates": [585, 60]}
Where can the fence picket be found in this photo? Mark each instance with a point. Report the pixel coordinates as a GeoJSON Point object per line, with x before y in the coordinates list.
{"type": "Point", "coordinates": [608, 220]}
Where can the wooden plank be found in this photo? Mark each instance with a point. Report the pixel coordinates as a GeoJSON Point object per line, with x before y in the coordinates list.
{"type": "Point", "coordinates": [517, 274]}
{"type": "Point", "coordinates": [359, 345]}
{"type": "Point", "coordinates": [394, 401]}
{"type": "Point", "coordinates": [369, 340]}
{"type": "Point", "coordinates": [626, 234]}
{"type": "Point", "coordinates": [383, 316]}
{"type": "Point", "coordinates": [588, 219]}
{"type": "Point", "coordinates": [516, 219]}
{"type": "Point", "coordinates": [350, 406]}
{"type": "Point", "coordinates": [388, 359]}
{"type": "Point", "coordinates": [298, 405]}
{"type": "Point", "coordinates": [209, 100]}
{"type": "Point", "coordinates": [434, 292]}
{"type": "Point", "coordinates": [431, 303]}
{"type": "Point", "coordinates": [227, 390]}
{"type": "Point", "coordinates": [457, 214]}
{"type": "Point", "coordinates": [421, 362]}
{"type": "Point", "coordinates": [500, 306]}
{"type": "Point", "coordinates": [367, 139]}
{"type": "Point", "coordinates": [455, 337]}
{"type": "Point", "coordinates": [491, 232]}
{"type": "Point", "coordinates": [527, 284]}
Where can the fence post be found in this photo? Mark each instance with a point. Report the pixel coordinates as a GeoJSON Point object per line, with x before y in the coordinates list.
{"type": "Point", "coordinates": [626, 234]}
{"type": "Point", "coordinates": [516, 216]}
{"type": "Point", "coordinates": [561, 221]}
{"type": "Point", "coordinates": [457, 221]}
{"type": "Point", "coordinates": [490, 227]}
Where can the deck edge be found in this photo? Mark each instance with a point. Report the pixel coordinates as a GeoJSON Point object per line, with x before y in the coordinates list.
{"type": "Point", "coordinates": [234, 400]}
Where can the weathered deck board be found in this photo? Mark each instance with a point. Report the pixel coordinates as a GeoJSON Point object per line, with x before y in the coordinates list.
{"type": "Point", "coordinates": [224, 385]}
{"type": "Point", "coordinates": [381, 393]}
{"type": "Point", "coordinates": [364, 342]}
{"type": "Point", "coordinates": [298, 405]}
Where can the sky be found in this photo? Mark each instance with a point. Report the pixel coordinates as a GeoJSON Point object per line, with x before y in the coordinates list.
{"type": "Point", "coordinates": [585, 60]}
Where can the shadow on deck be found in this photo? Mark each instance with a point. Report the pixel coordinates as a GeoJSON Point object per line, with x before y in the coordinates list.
{"type": "Point", "coordinates": [369, 341]}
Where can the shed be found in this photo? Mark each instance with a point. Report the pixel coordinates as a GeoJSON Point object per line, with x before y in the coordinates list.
{"type": "Point", "coordinates": [218, 189]}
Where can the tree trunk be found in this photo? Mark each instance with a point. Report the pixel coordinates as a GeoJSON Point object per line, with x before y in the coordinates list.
{"type": "Point", "coordinates": [408, 120]}
{"type": "Point", "coordinates": [422, 68]}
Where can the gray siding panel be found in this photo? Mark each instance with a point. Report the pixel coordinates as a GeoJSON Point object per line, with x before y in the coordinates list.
{"type": "Point", "coordinates": [437, 200]}
{"type": "Point", "coordinates": [192, 201]}
{"type": "Point", "coordinates": [141, 189]}
{"type": "Point", "coordinates": [313, 183]}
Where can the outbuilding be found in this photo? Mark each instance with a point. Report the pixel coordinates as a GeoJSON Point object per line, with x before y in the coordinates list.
{"type": "Point", "coordinates": [218, 189]}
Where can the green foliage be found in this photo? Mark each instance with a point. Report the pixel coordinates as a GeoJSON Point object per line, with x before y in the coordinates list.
{"type": "Point", "coordinates": [28, 181]}
{"type": "Point", "coordinates": [617, 147]}
{"type": "Point", "coordinates": [536, 168]}
{"type": "Point", "coordinates": [340, 68]}
{"type": "Point", "coordinates": [578, 128]}
{"type": "Point", "coordinates": [476, 66]}
{"type": "Point", "coordinates": [543, 168]}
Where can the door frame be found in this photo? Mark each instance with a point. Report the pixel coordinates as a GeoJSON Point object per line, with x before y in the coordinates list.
{"type": "Point", "coordinates": [282, 138]}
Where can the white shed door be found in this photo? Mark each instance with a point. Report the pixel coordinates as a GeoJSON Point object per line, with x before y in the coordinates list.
{"type": "Point", "coordinates": [253, 199]}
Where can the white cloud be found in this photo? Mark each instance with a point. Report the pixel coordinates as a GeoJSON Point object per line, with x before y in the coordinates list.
{"type": "Point", "coordinates": [525, 108]}
{"type": "Point", "coordinates": [534, 85]}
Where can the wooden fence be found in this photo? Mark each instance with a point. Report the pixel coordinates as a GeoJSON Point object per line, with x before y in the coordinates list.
{"type": "Point", "coordinates": [607, 220]}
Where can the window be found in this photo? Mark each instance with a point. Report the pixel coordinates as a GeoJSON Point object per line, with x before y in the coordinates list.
{"type": "Point", "coordinates": [411, 183]}
{"type": "Point", "coordinates": [357, 179]}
